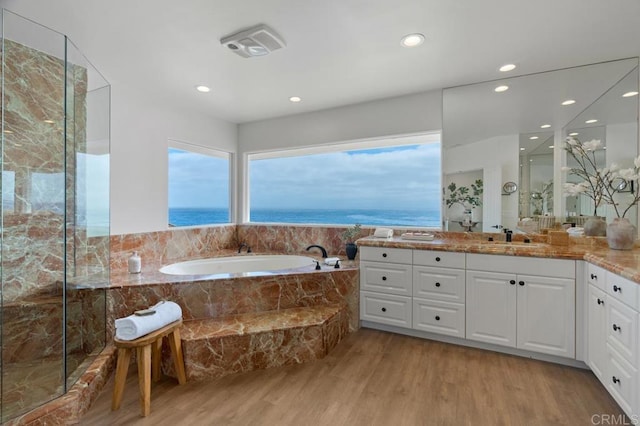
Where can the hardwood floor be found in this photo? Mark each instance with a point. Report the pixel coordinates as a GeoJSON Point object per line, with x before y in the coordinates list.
{"type": "Point", "coordinates": [376, 378]}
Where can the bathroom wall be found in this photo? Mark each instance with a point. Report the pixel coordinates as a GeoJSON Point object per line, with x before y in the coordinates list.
{"type": "Point", "coordinates": [141, 127]}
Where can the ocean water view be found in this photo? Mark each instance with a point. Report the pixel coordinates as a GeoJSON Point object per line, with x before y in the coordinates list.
{"type": "Point", "coordinates": [376, 217]}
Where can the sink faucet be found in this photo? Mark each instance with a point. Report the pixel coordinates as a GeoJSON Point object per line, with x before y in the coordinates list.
{"type": "Point", "coordinates": [508, 234]}
{"type": "Point", "coordinates": [324, 252]}
{"type": "Point", "coordinates": [242, 246]}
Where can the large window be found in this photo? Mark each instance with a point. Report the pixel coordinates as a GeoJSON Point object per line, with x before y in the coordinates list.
{"type": "Point", "coordinates": [198, 185]}
{"type": "Point", "coordinates": [394, 183]}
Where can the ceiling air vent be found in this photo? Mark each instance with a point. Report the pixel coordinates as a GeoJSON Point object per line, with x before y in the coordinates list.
{"type": "Point", "coordinates": [256, 41]}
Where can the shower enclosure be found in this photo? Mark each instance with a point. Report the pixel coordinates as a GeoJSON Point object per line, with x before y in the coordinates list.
{"type": "Point", "coordinates": [55, 214]}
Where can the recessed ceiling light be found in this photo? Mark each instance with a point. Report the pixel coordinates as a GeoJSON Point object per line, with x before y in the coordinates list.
{"type": "Point", "coordinates": [203, 89]}
{"type": "Point", "coordinates": [533, 138]}
{"type": "Point", "coordinates": [501, 88]}
{"type": "Point", "coordinates": [551, 146]}
{"type": "Point", "coordinates": [295, 99]}
{"type": "Point", "coordinates": [568, 102]}
{"type": "Point", "coordinates": [49, 121]}
{"type": "Point", "coordinates": [593, 120]}
{"type": "Point", "coordinates": [545, 126]}
{"type": "Point", "coordinates": [7, 132]}
{"type": "Point", "coordinates": [412, 40]}
{"type": "Point", "coordinates": [531, 159]}
{"type": "Point", "coordinates": [629, 94]}
{"type": "Point", "coordinates": [507, 67]}
{"type": "Point", "coordinates": [521, 149]}
{"type": "Point", "coordinates": [574, 134]}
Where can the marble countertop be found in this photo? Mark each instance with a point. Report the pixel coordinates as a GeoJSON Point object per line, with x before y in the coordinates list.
{"type": "Point", "coordinates": [625, 263]}
{"type": "Point", "coordinates": [151, 275]}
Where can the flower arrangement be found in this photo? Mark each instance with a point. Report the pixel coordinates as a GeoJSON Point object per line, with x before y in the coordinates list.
{"type": "Point", "coordinates": [599, 184]}
{"type": "Point", "coordinates": [351, 234]}
{"type": "Point", "coordinates": [464, 196]}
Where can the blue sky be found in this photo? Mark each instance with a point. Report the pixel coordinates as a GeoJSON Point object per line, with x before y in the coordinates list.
{"type": "Point", "coordinates": [197, 180]}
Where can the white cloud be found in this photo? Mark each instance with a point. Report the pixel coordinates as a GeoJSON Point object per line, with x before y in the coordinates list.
{"type": "Point", "coordinates": [388, 179]}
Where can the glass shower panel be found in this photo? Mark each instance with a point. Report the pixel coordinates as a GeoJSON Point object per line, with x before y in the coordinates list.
{"type": "Point", "coordinates": [87, 206]}
{"type": "Point", "coordinates": [33, 215]}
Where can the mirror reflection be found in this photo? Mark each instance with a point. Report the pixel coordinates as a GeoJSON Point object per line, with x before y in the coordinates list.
{"type": "Point", "coordinates": [517, 135]}
{"type": "Point", "coordinates": [611, 119]}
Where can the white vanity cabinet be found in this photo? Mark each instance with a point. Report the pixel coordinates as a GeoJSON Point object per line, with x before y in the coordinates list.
{"type": "Point", "coordinates": [439, 292]}
{"type": "Point", "coordinates": [596, 322]}
{"type": "Point", "coordinates": [386, 286]}
{"type": "Point", "coordinates": [612, 335]}
{"type": "Point", "coordinates": [509, 302]}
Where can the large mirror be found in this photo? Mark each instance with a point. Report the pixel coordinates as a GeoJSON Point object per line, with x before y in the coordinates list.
{"type": "Point", "coordinates": [613, 120]}
{"type": "Point", "coordinates": [517, 135]}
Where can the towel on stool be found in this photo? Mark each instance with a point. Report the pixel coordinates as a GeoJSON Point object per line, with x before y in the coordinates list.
{"type": "Point", "coordinates": [134, 326]}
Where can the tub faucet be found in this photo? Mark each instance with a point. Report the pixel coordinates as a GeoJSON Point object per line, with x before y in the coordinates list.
{"type": "Point", "coordinates": [244, 245]}
{"type": "Point", "coordinates": [324, 252]}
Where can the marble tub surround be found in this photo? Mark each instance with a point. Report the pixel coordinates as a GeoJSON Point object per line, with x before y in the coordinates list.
{"type": "Point", "coordinates": [240, 343]}
{"type": "Point", "coordinates": [176, 244]}
{"type": "Point", "coordinates": [205, 297]}
{"type": "Point", "coordinates": [294, 238]}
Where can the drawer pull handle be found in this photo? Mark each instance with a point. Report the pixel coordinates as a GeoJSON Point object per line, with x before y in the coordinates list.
{"type": "Point", "coordinates": [384, 278]}
{"type": "Point", "coordinates": [384, 254]}
{"type": "Point", "coordinates": [615, 379]}
{"type": "Point", "coordinates": [594, 277]}
{"type": "Point", "coordinates": [512, 282]}
{"type": "Point", "coordinates": [617, 327]}
{"type": "Point", "coordinates": [600, 301]}
{"type": "Point", "coordinates": [384, 309]}
{"type": "Point", "coordinates": [437, 259]}
{"type": "Point", "coordinates": [616, 288]}
{"type": "Point", "coordinates": [521, 282]}
{"type": "Point", "coordinates": [437, 318]}
{"type": "Point", "coordinates": [437, 284]}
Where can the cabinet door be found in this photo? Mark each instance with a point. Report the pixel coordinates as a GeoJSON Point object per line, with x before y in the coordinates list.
{"type": "Point", "coordinates": [390, 278]}
{"type": "Point", "coordinates": [596, 337]}
{"type": "Point", "coordinates": [491, 307]}
{"type": "Point", "coordinates": [546, 315]}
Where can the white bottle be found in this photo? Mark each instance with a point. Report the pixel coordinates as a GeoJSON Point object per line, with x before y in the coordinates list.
{"type": "Point", "coordinates": [135, 263]}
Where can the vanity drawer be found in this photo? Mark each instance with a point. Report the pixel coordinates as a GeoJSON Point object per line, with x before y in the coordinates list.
{"type": "Point", "coordinates": [442, 259]}
{"type": "Point", "coordinates": [621, 381]}
{"type": "Point", "coordinates": [596, 276]}
{"type": "Point", "coordinates": [439, 317]}
{"type": "Point", "coordinates": [623, 289]}
{"type": "Point", "coordinates": [439, 283]}
{"type": "Point", "coordinates": [385, 309]}
{"type": "Point", "coordinates": [390, 278]}
{"type": "Point", "coordinates": [381, 254]}
{"type": "Point", "coordinates": [622, 329]}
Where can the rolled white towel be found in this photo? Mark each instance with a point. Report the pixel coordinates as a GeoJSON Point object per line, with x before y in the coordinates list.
{"type": "Point", "coordinates": [134, 326]}
{"type": "Point", "coordinates": [331, 261]}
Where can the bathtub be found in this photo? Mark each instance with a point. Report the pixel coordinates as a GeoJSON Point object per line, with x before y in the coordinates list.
{"type": "Point", "coordinates": [238, 265]}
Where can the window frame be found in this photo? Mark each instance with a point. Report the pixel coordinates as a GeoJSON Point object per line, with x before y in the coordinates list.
{"type": "Point", "coordinates": [211, 152]}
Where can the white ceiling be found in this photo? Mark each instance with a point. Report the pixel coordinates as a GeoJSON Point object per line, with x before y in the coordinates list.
{"type": "Point", "coordinates": [338, 51]}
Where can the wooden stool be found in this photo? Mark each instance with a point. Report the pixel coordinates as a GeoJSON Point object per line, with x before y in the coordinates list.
{"type": "Point", "coordinates": [146, 346]}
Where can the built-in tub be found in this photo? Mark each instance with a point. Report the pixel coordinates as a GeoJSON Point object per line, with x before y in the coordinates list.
{"type": "Point", "coordinates": [243, 265]}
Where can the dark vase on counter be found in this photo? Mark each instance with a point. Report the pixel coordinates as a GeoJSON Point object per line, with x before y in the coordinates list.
{"type": "Point", "coordinates": [351, 250]}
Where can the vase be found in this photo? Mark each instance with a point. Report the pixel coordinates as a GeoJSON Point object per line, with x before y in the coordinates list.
{"type": "Point", "coordinates": [351, 250]}
{"type": "Point", "coordinates": [621, 234]}
{"type": "Point", "coordinates": [595, 226]}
